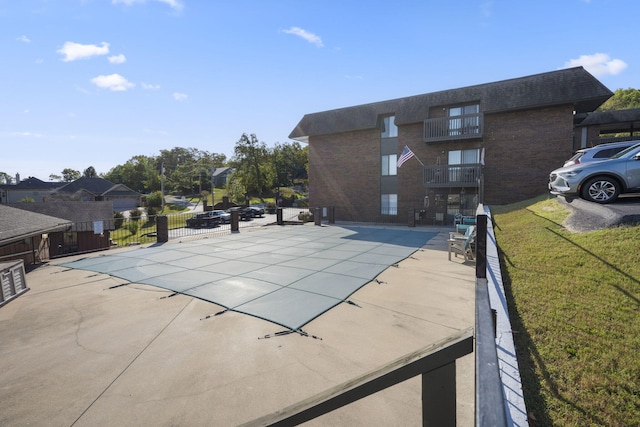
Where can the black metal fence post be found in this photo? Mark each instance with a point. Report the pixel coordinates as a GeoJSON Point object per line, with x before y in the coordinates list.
{"type": "Point", "coordinates": [162, 228]}
{"type": "Point", "coordinates": [235, 218]}
{"type": "Point", "coordinates": [481, 246]}
{"type": "Point", "coordinates": [279, 219]}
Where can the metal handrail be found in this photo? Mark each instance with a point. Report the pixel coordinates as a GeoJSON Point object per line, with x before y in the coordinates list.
{"type": "Point", "coordinates": [436, 364]}
{"type": "Point", "coordinates": [463, 175]}
{"type": "Point", "coordinates": [454, 128]}
{"type": "Point", "coordinates": [489, 398]}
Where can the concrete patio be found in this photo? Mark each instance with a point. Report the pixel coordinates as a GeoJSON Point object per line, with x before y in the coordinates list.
{"type": "Point", "coordinates": [88, 349]}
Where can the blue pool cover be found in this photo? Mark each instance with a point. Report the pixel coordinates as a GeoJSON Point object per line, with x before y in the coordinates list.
{"type": "Point", "coordinates": [285, 275]}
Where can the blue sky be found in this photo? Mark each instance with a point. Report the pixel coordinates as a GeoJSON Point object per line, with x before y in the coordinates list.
{"type": "Point", "coordinates": [96, 82]}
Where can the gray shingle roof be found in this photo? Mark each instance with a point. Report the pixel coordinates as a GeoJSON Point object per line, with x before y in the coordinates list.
{"type": "Point", "coordinates": [222, 171]}
{"type": "Point", "coordinates": [16, 224]}
{"type": "Point", "coordinates": [98, 187]}
{"type": "Point", "coordinates": [573, 86]}
{"type": "Point", "coordinates": [32, 183]}
{"type": "Point", "coordinates": [76, 211]}
{"type": "Point", "coordinates": [609, 117]}
{"type": "Point", "coordinates": [81, 213]}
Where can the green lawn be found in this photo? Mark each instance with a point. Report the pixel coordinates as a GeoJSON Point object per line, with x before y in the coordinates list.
{"type": "Point", "coordinates": [574, 301]}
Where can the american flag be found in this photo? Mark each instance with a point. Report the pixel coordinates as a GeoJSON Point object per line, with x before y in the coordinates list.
{"type": "Point", "coordinates": [406, 155]}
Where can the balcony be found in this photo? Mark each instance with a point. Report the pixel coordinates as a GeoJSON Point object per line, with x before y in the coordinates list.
{"type": "Point", "coordinates": [467, 126]}
{"type": "Point", "coordinates": [439, 176]}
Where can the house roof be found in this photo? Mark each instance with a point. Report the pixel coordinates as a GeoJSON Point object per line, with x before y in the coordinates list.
{"type": "Point", "coordinates": [573, 86]}
{"type": "Point", "coordinates": [98, 187]}
{"type": "Point", "coordinates": [76, 211]}
{"type": "Point", "coordinates": [615, 117]}
{"type": "Point", "coordinates": [17, 224]}
{"type": "Point", "coordinates": [32, 183]}
{"type": "Point", "coordinates": [222, 171]}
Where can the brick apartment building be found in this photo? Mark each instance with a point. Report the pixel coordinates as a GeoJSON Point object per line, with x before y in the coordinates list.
{"type": "Point", "coordinates": [493, 143]}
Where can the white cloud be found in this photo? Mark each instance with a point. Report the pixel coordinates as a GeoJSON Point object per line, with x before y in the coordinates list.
{"type": "Point", "coordinates": [148, 86]}
{"type": "Point", "coordinates": [304, 34]}
{"type": "Point", "coordinates": [73, 51]}
{"type": "Point", "coordinates": [174, 4]}
{"type": "Point", "coordinates": [598, 64]}
{"type": "Point", "coordinates": [180, 96]}
{"type": "Point", "coordinates": [24, 39]}
{"type": "Point", "coordinates": [117, 59]}
{"type": "Point", "coordinates": [26, 135]}
{"type": "Point", "coordinates": [113, 82]}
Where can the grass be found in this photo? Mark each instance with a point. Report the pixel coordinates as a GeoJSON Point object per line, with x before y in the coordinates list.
{"type": "Point", "coordinates": [574, 300]}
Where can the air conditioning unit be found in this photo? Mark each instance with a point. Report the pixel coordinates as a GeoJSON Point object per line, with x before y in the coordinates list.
{"type": "Point", "coordinates": [13, 282]}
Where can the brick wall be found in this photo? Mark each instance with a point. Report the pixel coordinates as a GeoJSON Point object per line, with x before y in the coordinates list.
{"type": "Point", "coordinates": [344, 171]}
{"type": "Point", "coordinates": [521, 149]}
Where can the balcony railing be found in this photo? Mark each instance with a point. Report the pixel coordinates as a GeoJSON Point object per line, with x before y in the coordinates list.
{"type": "Point", "coordinates": [467, 175]}
{"type": "Point", "coordinates": [453, 128]}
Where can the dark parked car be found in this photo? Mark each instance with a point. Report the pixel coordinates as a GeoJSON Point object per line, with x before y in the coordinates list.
{"type": "Point", "coordinates": [600, 182]}
{"type": "Point", "coordinates": [256, 211]}
{"type": "Point", "coordinates": [205, 219]}
{"type": "Point", "coordinates": [244, 214]}
{"type": "Point", "coordinates": [598, 153]}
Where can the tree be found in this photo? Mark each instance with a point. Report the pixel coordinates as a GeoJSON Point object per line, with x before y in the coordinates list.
{"type": "Point", "coordinates": [290, 162]}
{"type": "Point", "coordinates": [69, 174]}
{"type": "Point", "coordinates": [90, 172]}
{"type": "Point", "coordinates": [140, 173]}
{"type": "Point", "coordinates": [54, 177]}
{"type": "Point", "coordinates": [188, 170]}
{"type": "Point", "coordinates": [622, 99]}
{"type": "Point", "coordinates": [251, 163]}
{"type": "Point", "coordinates": [5, 178]}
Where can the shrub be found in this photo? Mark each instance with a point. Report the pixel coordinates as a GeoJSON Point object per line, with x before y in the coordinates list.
{"type": "Point", "coordinates": [119, 220]}
{"type": "Point", "coordinates": [133, 227]}
{"type": "Point", "coordinates": [305, 216]}
{"type": "Point", "coordinates": [154, 200]}
{"type": "Point", "coordinates": [152, 211]}
{"type": "Point", "coordinates": [135, 214]}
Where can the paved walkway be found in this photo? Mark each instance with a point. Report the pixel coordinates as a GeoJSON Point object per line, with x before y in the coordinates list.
{"type": "Point", "coordinates": [87, 349]}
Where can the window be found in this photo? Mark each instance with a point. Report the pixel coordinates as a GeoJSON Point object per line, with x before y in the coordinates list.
{"type": "Point", "coordinates": [460, 157]}
{"type": "Point", "coordinates": [464, 120]}
{"type": "Point", "coordinates": [390, 165]}
{"type": "Point", "coordinates": [389, 128]}
{"type": "Point", "coordinates": [389, 204]}
{"type": "Point", "coordinates": [464, 174]}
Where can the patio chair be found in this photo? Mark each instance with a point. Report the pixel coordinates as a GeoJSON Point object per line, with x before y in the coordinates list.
{"type": "Point", "coordinates": [462, 232]}
{"type": "Point", "coordinates": [463, 246]}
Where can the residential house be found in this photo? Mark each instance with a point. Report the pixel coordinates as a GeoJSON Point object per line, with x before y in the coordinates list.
{"type": "Point", "coordinates": [98, 189]}
{"type": "Point", "coordinates": [493, 143]}
{"type": "Point", "coordinates": [28, 189]}
{"type": "Point", "coordinates": [220, 176]}
{"type": "Point", "coordinates": [89, 226]}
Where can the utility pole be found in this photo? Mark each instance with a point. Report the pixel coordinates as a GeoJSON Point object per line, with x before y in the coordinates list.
{"type": "Point", "coordinates": [162, 185]}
